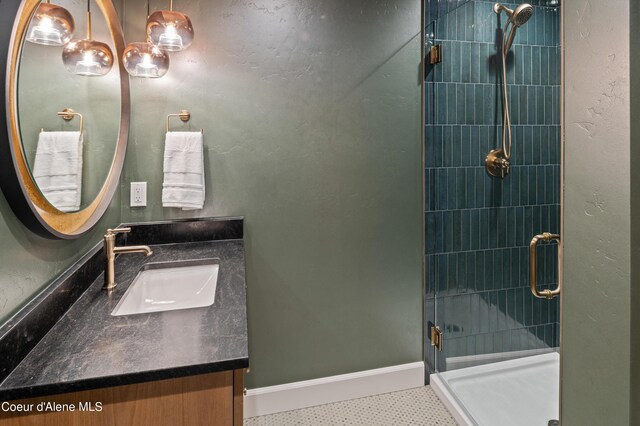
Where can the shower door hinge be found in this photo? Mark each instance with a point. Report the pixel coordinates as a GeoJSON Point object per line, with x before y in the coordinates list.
{"type": "Point", "coordinates": [435, 336]}
{"type": "Point", "coordinates": [435, 54]}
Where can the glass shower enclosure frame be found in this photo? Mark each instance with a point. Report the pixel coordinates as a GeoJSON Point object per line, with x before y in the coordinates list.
{"type": "Point", "coordinates": [479, 311]}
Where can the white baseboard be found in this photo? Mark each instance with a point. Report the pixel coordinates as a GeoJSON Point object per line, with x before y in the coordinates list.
{"type": "Point", "coordinates": [440, 389]}
{"type": "Point", "coordinates": [292, 396]}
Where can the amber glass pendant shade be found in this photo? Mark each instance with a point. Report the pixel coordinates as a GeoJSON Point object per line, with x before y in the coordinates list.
{"type": "Point", "coordinates": [87, 57]}
{"type": "Point", "coordinates": [145, 60]}
{"type": "Point", "coordinates": [51, 25]}
{"type": "Point", "coordinates": [169, 30]}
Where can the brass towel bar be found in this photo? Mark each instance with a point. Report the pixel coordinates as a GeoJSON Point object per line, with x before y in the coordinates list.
{"type": "Point", "coordinates": [67, 114]}
{"type": "Point", "coordinates": [184, 116]}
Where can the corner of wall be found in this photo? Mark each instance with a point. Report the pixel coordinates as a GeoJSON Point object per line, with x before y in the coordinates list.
{"type": "Point", "coordinates": [634, 39]}
{"type": "Point", "coordinates": [598, 215]}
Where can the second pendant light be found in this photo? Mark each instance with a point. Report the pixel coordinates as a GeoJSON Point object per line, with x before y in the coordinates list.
{"type": "Point", "coordinates": [87, 57]}
{"type": "Point", "coordinates": [52, 25]}
{"type": "Point", "coordinates": [169, 30]}
{"type": "Point", "coordinates": [166, 31]}
{"type": "Point", "coordinates": [145, 60]}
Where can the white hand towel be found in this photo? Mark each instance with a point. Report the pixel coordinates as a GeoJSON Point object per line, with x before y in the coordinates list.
{"type": "Point", "coordinates": [57, 169]}
{"type": "Point", "coordinates": [183, 185]}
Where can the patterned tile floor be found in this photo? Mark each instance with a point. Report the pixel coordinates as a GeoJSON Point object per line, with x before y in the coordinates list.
{"type": "Point", "coordinates": [418, 406]}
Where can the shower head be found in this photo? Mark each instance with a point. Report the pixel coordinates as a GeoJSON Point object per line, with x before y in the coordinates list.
{"type": "Point", "coordinates": [517, 17]}
{"type": "Point", "coordinates": [521, 14]}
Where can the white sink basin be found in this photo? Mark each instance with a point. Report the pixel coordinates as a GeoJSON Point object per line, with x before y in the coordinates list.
{"type": "Point", "coordinates": [169, 286]}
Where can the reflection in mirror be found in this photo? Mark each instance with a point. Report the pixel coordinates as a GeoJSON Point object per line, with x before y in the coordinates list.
{"type": "Point", "coordinates": [88, 57]}
{"type": "Point", "coordinates": [70, 166]}
{"type": "Point", "coordinates": [51, 25]}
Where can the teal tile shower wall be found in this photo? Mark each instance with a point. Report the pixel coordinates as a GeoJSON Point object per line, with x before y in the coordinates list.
{"type": "Point", "coordinates": [477, 227]}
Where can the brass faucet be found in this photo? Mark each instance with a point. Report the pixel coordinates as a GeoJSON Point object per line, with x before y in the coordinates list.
{"type": "Point", "coordinates": [110, 251]}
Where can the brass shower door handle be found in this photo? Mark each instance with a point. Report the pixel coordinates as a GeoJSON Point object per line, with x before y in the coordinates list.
{"type": "Point", "coordinates": [533, 276]}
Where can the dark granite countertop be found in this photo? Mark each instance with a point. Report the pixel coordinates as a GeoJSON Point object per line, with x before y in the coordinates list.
{"type": "Point", "coordinates": [89, 348]}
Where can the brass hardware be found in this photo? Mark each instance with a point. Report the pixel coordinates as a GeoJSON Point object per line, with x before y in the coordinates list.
{"type": "Point", "coordinates": [435, 54]}
{"type": "Point", "coordinates": [497, 163]}
{"type": "Point", "coordinates": [436, 337]}
{"type": "Point", "coordinates": [26, 199]}
{"type": "Point", "coordinates": [110, 251]}
{"type": "Point", "coordinates": [184, 115]}
{"type": "Point", "coordinates": [89, 32]}
{"type": "Point", "coordinates": [67, 114]}
{"type": "Point", "coordinates": [544, 294]}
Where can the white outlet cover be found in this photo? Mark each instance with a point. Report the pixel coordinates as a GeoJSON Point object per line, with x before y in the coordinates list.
{"type": "Point", "coordinates": [138, 194]}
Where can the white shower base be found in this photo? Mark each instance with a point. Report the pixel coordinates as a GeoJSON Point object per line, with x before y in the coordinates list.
{"type": "Point", "coordinates": [523, 392]}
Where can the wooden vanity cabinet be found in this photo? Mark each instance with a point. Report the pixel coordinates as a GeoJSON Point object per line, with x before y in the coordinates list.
{"type": "Point", "coordinates": [213, 399]}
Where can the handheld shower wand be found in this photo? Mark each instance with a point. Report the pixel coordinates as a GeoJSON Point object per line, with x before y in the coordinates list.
{"type": "Point", "coordinates": [517, 18]}
{"type": "Point", "coordinates": [498, 160]}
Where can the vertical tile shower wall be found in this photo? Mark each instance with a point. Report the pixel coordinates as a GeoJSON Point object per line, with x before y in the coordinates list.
{"type": "Point", "coordinates": [478, 228]}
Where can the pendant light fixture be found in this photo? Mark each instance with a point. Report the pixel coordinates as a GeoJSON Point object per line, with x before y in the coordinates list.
{"type": "Point", "coordinates": [87, 57]}
{"type": "Point", "coordinates": [51, 25]}
{"type": "Point", "coordinates": [169, 30]}
{"type": "Point", "coordinates": [144, 59]}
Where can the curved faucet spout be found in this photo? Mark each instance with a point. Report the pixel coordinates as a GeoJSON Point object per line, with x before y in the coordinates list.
{"type": "Point", "coordinates": [134, 249]}
{"type": "Point", "coordinates": [110, 251]}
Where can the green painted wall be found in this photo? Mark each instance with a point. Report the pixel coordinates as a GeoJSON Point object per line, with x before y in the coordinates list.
{"type": "Point", "coordinates": [634, 38]}
{"type": "Point", "coordinates": [311, 114]}
{"type": "Point", "coordinates": [597, 216]}
{"type": "Point", "coordinates": [28, 262]}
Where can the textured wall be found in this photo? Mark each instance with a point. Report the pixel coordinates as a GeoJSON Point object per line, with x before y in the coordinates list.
{"type": "Point", "coordinates": [478, 228]}
{"type": "Point", "coordinates": [635, 206]}
{"type": "Point", "coordinates": [596, 307]}
{"type": "Point", "coordinates": [28, 262]}
{"type": "Point", "coordinates": [311, 114]}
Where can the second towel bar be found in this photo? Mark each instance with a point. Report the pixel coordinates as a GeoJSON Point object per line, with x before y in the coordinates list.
{"type": "Point", "coordinates": [67, 114]}
{"type": "Point", "coordinates": [184, 115]}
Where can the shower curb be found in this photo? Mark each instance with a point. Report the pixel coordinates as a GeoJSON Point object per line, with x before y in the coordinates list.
{"type": "Point", "coordinates": [456, 411]}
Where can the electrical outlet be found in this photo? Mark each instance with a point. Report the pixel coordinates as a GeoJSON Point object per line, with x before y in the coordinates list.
{"type": "Point", "coordinates": [138, 194]}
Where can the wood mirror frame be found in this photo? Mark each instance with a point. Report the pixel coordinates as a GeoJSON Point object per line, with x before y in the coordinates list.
{"type": "Point", "coordinates": [18, 186]}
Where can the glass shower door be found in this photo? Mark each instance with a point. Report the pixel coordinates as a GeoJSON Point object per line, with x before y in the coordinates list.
{"type": "Point", "coordinates": [493, 337]}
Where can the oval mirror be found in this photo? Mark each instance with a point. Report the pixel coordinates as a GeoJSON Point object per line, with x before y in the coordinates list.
{"type": "Point", "coordinates": [67, 122]}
